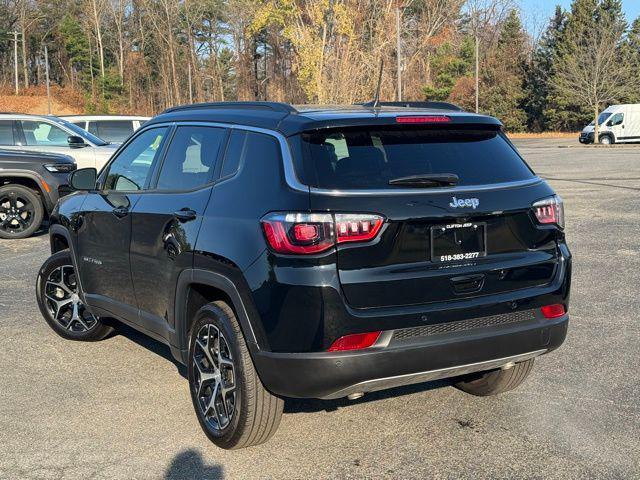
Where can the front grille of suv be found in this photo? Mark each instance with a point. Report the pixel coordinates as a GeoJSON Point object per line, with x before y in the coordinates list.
{"type": "Point", "coordinates": [462, 325]}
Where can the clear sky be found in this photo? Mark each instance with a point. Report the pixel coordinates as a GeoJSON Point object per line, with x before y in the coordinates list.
{"type": "Point", "coordinates": [536, 13]}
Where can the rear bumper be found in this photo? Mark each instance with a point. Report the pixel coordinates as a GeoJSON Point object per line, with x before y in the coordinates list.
{"type": "Point", "coordinates": [407, 361]}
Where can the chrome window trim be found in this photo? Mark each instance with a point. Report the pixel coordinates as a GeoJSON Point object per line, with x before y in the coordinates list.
{"type": "Point", "coordinates": [294, 182]}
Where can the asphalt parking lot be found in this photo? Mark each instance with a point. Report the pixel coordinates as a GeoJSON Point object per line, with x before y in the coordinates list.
{"type": "Point", "coordinates": [120, 408]}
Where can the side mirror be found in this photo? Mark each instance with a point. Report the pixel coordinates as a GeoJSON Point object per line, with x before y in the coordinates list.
{"type": "Point", "coordinates": [75, 141]}
{"type": "Point", "coordinates": [609, 123]}
{"type": "Point", "coordinates": [83, 179]}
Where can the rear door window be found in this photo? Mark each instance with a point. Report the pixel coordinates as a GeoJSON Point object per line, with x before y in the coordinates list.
{"type": "Point", "coordinates": [37, 133]}
{"type": "Point", "coordinates": [7, 132]}
{"type": "Point", "coordinates": [368, 158]}
{"type": "Point", "coordinates": [191, 158]}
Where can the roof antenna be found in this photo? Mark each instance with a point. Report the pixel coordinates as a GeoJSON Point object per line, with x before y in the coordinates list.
{"type": "Point", "coordinates": [376, 100]}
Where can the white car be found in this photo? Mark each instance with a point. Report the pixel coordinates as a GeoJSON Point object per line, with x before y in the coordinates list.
{"type": "Point", "coordinates": [41, 133]}
{"type": "Point", "coordinates": [616, 124]}
{"type": "Point", "coordinates": [112, 128]}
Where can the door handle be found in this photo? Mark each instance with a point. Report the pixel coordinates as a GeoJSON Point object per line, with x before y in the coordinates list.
{"type": "Point", "coordinates": [185, 214]}
{"type": "Point", "coordinates": [121, 212]}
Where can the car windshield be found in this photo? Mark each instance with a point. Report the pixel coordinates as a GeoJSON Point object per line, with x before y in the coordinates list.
{"type": "Point", "coordinates": [602, 118]}
{"type": "Point", "coordinates": [80, 132]}
{"type": "Point", "coordinates": [383, 157]}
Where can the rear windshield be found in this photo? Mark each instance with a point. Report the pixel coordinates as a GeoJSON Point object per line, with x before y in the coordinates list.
{"type": "Point", "coordinates": [368, 158]}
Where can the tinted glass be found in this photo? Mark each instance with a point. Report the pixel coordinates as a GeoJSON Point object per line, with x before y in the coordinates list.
{"type": "Point", "coordinates": [93, 128]}
{"type": "Point", "coordinates": [81, 132]}
{"type": "Point", "coordinates": [114, 130]}
{"type": "Point", "coordinates": [234, 154]}
{"type": "Point", "coordinates": [191, 158]}
{"type": "Point", "coordinates": [6, 132]}
{"type": "Point", "coordinates": [358, 158]}
{"type": "Point", "coordinates": [43, 134]}
{"type": "Point", "coordinates": [133, 166]}
{"type": "Point", "coordinates": [617, 119]}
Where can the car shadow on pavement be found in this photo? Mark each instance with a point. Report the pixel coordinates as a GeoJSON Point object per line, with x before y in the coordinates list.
{"type": "Point", "coordinates": [150, 344]}
{"type": "Point", "coordinates": [308, 405]}
{"type": "Point", "coordinates": [292, 405]}
{"type": "Point", "coordinates": [189, 464]}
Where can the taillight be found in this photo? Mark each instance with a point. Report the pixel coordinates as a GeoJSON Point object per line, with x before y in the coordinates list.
{"type": "Point", "coordinates": [553, 311]}
{"type": "Point", "coordinates": [309, 233]}
{"type": "Point", "coordinates": [549, 211]}
{"type": "Point", "coordinates": [356, 341]}
{"type": "Point", "coordinates": [357, 227]}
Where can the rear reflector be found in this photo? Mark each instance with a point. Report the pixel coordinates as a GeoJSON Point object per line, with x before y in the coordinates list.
{"type": "Point", "coordinates": [424, 119]}
{"type": "Point", "coordinates": [356, 341]}
{"type": "Point", "coordinates": [553, 311]}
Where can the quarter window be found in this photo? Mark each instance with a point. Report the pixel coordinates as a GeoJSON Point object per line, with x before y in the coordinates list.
{"type": "Point", "coordinates": [112, 130]}
{"type": "Point", "coordinates": [132, 168]}
{"type": "Point", "coordinates": [191, 158]}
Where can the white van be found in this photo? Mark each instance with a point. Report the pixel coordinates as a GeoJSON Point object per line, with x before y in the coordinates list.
{"type": "Point", "coordinates": [617, 124]}
{"type": "Point", "coordinates": [112, 128]}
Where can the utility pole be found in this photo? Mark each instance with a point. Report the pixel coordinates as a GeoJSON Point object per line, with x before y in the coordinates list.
{"type": "Point", "coordinates": [15, 34]}
{"type": "Point", "coordinates": [46, 72]}
{"type": "Point", "coordinates": [477, 75]}
{"type": "Point", "coordinates": [398, 54]}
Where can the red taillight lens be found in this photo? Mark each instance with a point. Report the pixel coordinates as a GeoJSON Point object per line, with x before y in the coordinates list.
{"type": "Point", "coordinates": [424, 119]}
{"type": "Point", "coordinates": [357, 341]}
{"type": "Point", "coordinates": [304, 232]}
{"type": "Point", "coordinates": [550, 211]}
{"type": "Point", "coordinates": [553, 311]}
{"type": "Point", "coordinates": [299, 233]}
{"type": "Point", "coordinates": [309, 233]}
{"type": "Point", "coordinates": [357, 228]}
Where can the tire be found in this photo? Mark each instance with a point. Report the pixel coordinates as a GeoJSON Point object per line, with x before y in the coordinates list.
{"type": "Point", "coordinates": [21, 211]}
{"type": "Point", "coordinates": [493, 382]}
{"type": "Point", "coordinates": [57, 295]}
{"type": "Point", "coordinates": [243, 413]}
{"type": "Point", "coordinates": [606, 140]}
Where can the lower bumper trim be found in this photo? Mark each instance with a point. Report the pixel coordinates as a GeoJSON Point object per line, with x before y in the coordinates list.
{"type": "Point", "coordinates": [430, 375]}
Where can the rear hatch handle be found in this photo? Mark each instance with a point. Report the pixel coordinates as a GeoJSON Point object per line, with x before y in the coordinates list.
{"type": "Point", "coordinates": [468, 283]}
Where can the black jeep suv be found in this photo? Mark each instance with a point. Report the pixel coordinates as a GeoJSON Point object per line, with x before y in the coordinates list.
{"type": "Point", "coordinates": [30, 185]}
{"type": "Point", "coordinates": [314, 252]}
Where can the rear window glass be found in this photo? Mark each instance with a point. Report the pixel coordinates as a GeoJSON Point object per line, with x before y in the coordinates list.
{"type": "Point", "coordinates": [358, 158]}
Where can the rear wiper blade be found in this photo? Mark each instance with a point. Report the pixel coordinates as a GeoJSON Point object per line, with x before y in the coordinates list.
{"type": "Point", "coordinates": [426, 181]}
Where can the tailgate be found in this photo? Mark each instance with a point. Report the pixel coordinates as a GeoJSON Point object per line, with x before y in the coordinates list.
{"type": "Point", "coordinates": [474, 236]}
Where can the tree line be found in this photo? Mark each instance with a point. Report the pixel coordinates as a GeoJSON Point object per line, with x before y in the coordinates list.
{"type": "Point", "coordinates": [145, 55]}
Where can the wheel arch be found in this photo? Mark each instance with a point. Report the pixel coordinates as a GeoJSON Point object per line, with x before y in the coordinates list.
{"type": "Point", "coordinates": [29, 180]}
{"type": "Point", "coordinates": [59, 238]}
{"type": "Point", "coordinates": [611, 136]}
{"type": "Point", "coordinates": [197, 287]}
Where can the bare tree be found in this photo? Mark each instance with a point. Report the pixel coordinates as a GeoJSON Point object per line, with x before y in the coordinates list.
{"type": "Point", "coordinates": [594, 71]}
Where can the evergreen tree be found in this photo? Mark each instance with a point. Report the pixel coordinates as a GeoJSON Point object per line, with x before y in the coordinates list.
{"type": "Point", "coordinates": [593, 69]}
{"type": "Point", "coordinates": [539, 69]}
{"type": "Point", "coordinates": [502, 81]}
{"type": "Point", "coordinates": [560, 113]}
{"type": "Point", "coordinates": [449, 66]}
{"type": "Point", "coordinates": [631, 48]}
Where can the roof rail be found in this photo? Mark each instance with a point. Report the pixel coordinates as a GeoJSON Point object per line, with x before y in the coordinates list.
{"type": "Point", "coordinates": [274, 106]}
{"type": "Point", "coordinates": [418, 104]}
